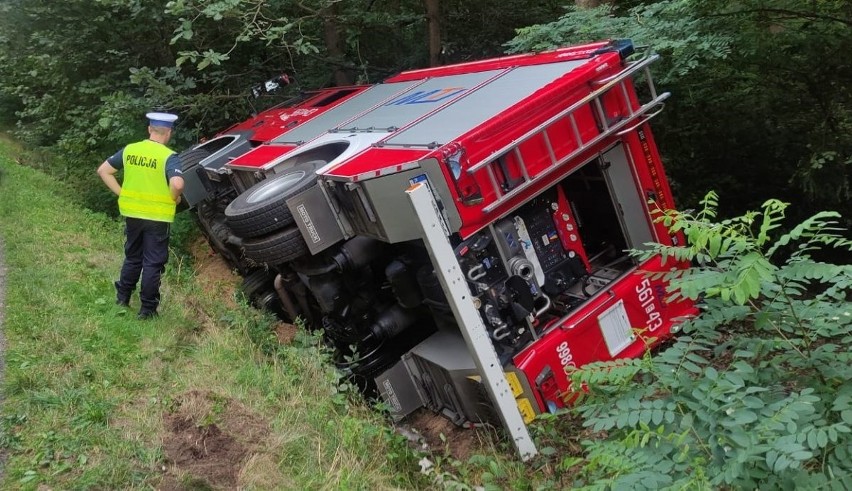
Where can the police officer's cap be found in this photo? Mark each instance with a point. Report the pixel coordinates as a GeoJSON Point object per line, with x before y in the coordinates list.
{"type": "Point", "coordinates": [161, 119]}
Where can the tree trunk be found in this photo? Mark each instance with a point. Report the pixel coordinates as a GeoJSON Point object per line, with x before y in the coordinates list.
{"type": "Point", "coordinates": [334, 46]}
{"type": "Point", "coordinates": [433, 19]}
{"type": "Point", "coordinates": [588, 4]}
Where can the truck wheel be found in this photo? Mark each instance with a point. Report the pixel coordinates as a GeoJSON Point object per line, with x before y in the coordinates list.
{"type": "Point", "coordinates": [190, 158]}
{"type": "Point", "coordinates": [256, 283]}
{"type": "Point", "coordinates": [263, 208]}
{"type": "Point", "coordinates": [257, 288]}
{"type": "Point", "coordinates": [276, 248]}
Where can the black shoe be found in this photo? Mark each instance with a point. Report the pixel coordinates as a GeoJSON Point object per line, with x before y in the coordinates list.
{"type": "Point", "coordinates": [122, 299]}
{"type": "Point", "coordinates": [147, 314]}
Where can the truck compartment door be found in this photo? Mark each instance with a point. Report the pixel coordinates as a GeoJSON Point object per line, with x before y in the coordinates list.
{"type": "Point", "coordinates": [627, 198]}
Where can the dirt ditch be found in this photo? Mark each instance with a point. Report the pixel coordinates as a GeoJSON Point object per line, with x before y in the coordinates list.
{"type": "Point", "coordinates": [201, 450]}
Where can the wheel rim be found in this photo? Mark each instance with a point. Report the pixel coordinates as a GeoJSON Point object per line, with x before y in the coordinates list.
{"type": "Point", "coordinates": [275, 187]}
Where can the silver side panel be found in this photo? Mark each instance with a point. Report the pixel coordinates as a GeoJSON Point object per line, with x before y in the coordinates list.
{"type": "Point", "coordinates": [629, 204]}
{"type": "Point", "coordinates": [398, 391]}
{"type": "Point", "coordinates": [387, 194]}
{"type": "Point", "coordinates": [481, 105]}
{"type": "Point", "coordinates": [347, 110]}
{"type": "Point", "coordinates": [441, 191]}
{"type": "Point", "coordinates": [449, 106]}
{"type": "Point", "coordinates": [421, 100]}
{"type": "Point", "coordinates": [379, 208]}
{"type": "Point", "coordinates": [446, 375]}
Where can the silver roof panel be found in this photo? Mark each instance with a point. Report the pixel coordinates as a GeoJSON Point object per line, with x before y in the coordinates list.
{"type": "Point", "coordinates": [421, 100]}
{"type": "Point", "coordinates": [481, 105]}
{"type": "Point", "coordinates": [347, 110]}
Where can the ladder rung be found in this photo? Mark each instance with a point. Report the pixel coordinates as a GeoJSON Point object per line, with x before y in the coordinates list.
{"type": "Point", "coordinates": [609, 132]}
{"type": "Point", "coordinates": [521, 164]}
{"type": "Point", "coordinates": [632, 68]}
{"type": "Point", "coordinates": [601, 113]}
{"type": "Point", "coordinates": [549, 146]}
{"type": "Point", "coordinates": [494, 184]}
{"type": "Point", "coordinates": [578, 139]}
{"type": "Point", "coordinates": [626, 98]}
{"type": "Point", "coordinates": [650, 81]}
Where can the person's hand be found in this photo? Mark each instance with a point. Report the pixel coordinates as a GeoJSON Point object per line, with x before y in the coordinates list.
{"type": "Point", "coordinates": [177, 200]}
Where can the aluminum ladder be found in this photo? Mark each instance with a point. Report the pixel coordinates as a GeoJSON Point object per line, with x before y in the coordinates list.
{"type": "Point", "coordinates": [620, 127]}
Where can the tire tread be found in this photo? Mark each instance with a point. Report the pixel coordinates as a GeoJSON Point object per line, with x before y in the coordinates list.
{"type": "Point", "coordinates": [277, 248]}
{"type": "Point", "coordinates": [259, 220]}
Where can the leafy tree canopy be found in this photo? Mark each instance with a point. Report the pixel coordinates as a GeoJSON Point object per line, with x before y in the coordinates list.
{"type": "Point", "coordinates": [761, 92]}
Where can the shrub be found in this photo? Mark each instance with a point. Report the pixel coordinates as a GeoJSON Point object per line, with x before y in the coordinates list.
{"type": "Point", "coordinates": [757, 392]}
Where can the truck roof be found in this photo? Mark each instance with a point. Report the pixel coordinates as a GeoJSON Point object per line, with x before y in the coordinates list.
{"type": "Point", "coordinates": [275, 121]}
{"type": "Point", "coordinates": [419, 111]}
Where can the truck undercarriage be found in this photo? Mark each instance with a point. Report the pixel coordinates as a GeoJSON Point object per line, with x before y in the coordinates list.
{"type": "Point", "coordinates": [540, 172]}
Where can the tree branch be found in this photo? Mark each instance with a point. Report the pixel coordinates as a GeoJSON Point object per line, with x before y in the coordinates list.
{"type": "Point", "coordinates": [786, 13]}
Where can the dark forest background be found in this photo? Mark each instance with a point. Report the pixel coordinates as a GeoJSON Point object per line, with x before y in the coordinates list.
{"type": "Point", "coordinates": [761, 88]}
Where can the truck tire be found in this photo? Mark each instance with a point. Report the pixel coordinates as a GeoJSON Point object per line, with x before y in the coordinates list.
{"type": "Point", "coordinates": [255, 283]}
{"type": "Point", "coordinates": [190, 158]}
{"type": "Point", "coordinates": [262, 208]}
{"type": "Point", "coordinates": [277, 248]}
{"type": "Point", "coordinates": [258, 288]}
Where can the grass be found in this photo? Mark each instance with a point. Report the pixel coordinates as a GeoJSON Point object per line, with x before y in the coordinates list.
{"type": "Point", "coordinates": [205, 396]}
{"type": "Point", "coordinates": [89, 391]}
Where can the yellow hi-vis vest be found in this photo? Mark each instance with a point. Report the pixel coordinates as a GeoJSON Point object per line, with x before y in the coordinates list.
{"type": "Point", "coordinates": [145, 190]}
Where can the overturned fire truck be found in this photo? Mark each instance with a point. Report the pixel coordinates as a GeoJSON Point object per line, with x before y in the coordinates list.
{"type": "Point", "coordinates": [459, 233]}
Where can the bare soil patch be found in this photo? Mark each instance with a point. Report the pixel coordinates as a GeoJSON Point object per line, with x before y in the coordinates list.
{"type": "Point", "coordinates": [441, 436]}
{"type": "Point", "coordinates": [213, 273]}
{"type": "Point", "coordinates": [208, 439]}
{"type": "Point", "coordinates": [437, 433]}
{"type": "Point", "coordinates": [285, 332]}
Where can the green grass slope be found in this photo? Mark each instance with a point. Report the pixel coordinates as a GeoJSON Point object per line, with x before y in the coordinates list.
{"type": "Point", "coordinates": [204, 397]}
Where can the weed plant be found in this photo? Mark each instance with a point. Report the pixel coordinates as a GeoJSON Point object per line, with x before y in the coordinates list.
{"type": "Point", "coordinates": [757, 391]}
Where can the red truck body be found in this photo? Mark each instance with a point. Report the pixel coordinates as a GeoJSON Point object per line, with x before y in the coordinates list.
{"type": "Point", "coordinates": [543, 172]}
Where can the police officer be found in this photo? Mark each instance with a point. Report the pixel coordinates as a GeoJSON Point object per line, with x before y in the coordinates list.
{"type": "Point", "coordinates": [147, 197]}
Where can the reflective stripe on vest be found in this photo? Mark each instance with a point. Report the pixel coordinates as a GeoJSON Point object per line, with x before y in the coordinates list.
{"type": "Point", "coordinates": [145, 190]}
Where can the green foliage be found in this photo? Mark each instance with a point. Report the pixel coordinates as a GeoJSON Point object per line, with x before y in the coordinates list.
{"type": "Point", "coordinates": [476, 29]}
{"type": "Point", "coordinates": [257, 23]}
{"type": "Point", "coordinates": [672, 27]}
{"type": "Point", "coordinates": [761, 103]}
{"type": "Point", "coordinates": [756, 392]}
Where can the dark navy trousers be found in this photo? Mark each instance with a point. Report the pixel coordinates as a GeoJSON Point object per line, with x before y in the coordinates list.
{"type": "Point", "coordinates": [146, 251]}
